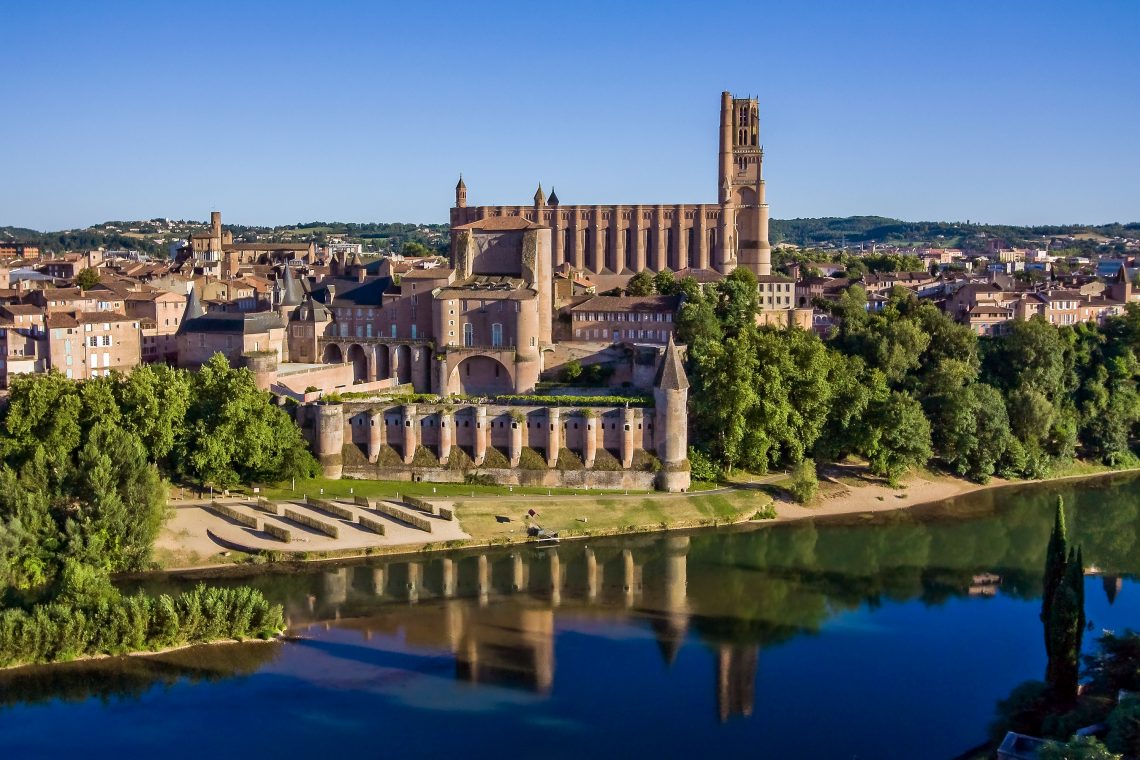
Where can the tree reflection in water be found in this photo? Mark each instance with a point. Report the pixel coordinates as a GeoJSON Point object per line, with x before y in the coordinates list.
{"type": "Point", "coordinates": [737, 590]}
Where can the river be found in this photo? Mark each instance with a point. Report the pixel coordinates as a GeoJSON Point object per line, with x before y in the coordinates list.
{"type": "Point", "coordinates": [884, 637]}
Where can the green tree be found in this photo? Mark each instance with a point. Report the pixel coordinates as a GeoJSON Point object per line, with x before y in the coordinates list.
{"type": "Point", "coordinates": [900, 436]}
{"type": "Point", "coordinates": [641, 284]}
{"type": "Point", "coordinates": [665, 282]}
{"type": "Point", "coordinates": [154, 400]}
{"type": "Point", "coordinates": [805, 484]}
{"type": "Point", "coordinates": [738, 301]}
{"type": "Point", "coordinates": [87, 278]}
{"type": "Point", "coordinates": [236, 434]}
{"type": "Point", "coordinates": [1056, 554]}
{"type": "Point", "coordinates": [412, 248]}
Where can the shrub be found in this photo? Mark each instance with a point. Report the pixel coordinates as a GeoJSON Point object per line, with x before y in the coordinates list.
{"type": "Point", "coordinates": [424, 458]}
{"type": "Point", "coordinates": [478, 479]}
{"type": "Point", "coordinates": [568, 460]}
{"type": "Point", "coordinates": [1124, 727]}
{"type": "Point", "coordinates": [571, 371]}
{"type": "Point", "coordinates": [645, 461]}
{"type": "Point", "coordinates": [75, 626]}
{"type": "Point", "coordinates": [805, 484]}
{"type": "Point", "coordinates": [604, 461]}
{"type": "Point", "coordinates": [702, 467]}
{"type": "Point", "coordinates": [496, 459]}
{"type": "Point", "coordinates": [530, 459]}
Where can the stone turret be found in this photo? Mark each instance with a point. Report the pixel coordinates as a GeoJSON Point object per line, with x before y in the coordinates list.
{"type": "Point", "coordinates": [328, 439]}
{"type": "Point", "coordinates": [553, 199]}
{"type": "Point", "coordinates": [671, 421]}
{"type": "Point", "coordinates": [461, 193]}
{"type": "Point", "coordinates": [539, 197]}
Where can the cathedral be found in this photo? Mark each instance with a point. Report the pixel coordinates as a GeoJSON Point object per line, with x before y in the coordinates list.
{"type": "Point", "coordinates": [626, 239]}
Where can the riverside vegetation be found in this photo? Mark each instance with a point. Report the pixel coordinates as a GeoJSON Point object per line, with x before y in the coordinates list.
{"type": "Point", "coordinates": [903, 387]}
{"type": "Point", "coordinates": [1056, 708]}
{"type": "Point", "coordinates": [83, 496]}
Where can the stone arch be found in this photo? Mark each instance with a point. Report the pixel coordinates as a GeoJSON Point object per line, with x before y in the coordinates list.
{"type": "Point", "coordinates": [358, 357]}
{"type": "Point", "coordinates": [403, 363]}
{"type": "Point", "coordinates": [383, 366]}
{"type": "Point", "coordinates": [480, 375]}
{"type": "Point", "coordinates": [333, 354]}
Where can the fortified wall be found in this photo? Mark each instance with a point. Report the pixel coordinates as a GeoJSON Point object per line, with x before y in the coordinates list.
{"type": "Point", "coordinates": [631, 447]}
{"type": "Point", "coordinates": [635, 445]}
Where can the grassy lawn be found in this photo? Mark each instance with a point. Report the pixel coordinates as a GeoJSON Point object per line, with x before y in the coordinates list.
{"type": "Point", "coordinates": [607, 514]}
{"type": "Point", "coordinates": [389, 488]}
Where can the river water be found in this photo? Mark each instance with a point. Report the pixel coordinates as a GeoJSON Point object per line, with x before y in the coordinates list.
{"type": "Point", "coordinates": [891, 637]}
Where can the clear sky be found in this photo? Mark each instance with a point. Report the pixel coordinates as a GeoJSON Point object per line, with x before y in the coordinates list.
{"type": "Point", "coordinates": [279, 112]}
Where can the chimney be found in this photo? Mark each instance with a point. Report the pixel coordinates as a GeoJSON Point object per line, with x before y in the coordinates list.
{"type": "Point", "coordinates": [330, 292]}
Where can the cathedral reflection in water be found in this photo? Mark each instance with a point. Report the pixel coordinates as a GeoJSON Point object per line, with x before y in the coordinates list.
{"type": "Point", "coordinates": [495, 613]}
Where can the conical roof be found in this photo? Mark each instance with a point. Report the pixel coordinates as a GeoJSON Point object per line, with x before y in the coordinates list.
{"type": "Point", "coordinates": [553, 199]}
{"type": "Point", "coordinates": [459, 185]}
{"type": "Point", "coordinates": [291, 293]}
{"type": "Point", "coordinates": [671, 374]}
{"type": "Point", "coordinates": [539, 196]}
{"type": "Point", "coordinates": [193, 308]}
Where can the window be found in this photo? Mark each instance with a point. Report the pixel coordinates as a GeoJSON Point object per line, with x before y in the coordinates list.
{"type": "Point", "coordinates": [496, 334]}
{"type": "Point", "coordinates": [393, 331]}
{"type": "Point", "coordinates": [93, 341]}
{"type": "Point", "coordinates": [414, 331]}
{"type": "Point", "coordinates": [106, 340]}
{"type": "Point", "coordinates": [94, 360]}
{"type": "Point", "coordinates": [468, 334]}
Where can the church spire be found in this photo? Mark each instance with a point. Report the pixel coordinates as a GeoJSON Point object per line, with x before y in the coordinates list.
{"type": "Point", "coordinates": [461, 193]}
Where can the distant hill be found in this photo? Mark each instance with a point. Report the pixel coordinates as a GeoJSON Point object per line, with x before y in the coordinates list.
{"type": "Point", "coordinates": [153, 236]}
{"type": "Point", "coordinates": [856, 230]}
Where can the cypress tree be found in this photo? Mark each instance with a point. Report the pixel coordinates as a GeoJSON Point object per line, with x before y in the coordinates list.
{"type": "Point", "coordinates": [1054, 570]}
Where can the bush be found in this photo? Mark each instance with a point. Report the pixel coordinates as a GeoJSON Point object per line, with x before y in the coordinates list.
{"type": "Point", "coordinates": [529, 459]}
{"type": "Point", "coordinates": [81, 624]}
{"type": "Point", "coordinates": [604, 461]}
{"type": "Point", "coordinates": [1077, 748]}
{"type": "Point", "coordinates": [1124, 727]}
{"type": "Point", "coordinates": [568, 460]}
{"type": "Point", "coordinates": [571, 371]}
{"type": "Point", "coordinates": [703, 468]}
{"type": "Point", "coordinates": [645, 461]}
{"type": "Point", "coordinates": [805, 484]}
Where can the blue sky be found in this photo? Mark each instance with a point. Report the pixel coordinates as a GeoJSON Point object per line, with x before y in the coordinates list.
{"type": "Point", "coordinates": [280, 112]}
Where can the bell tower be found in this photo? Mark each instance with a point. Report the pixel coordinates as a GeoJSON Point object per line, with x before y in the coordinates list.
{"type": "Point", "coordinates": [744, 205]}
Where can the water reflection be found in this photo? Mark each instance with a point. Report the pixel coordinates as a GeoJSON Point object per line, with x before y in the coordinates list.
{"type": "Point", "coordinates": [496, 614]}
{"type": "Point", "coordinates": [132, 677]}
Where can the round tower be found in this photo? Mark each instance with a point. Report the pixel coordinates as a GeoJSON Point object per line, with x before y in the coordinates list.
{"type": "Point", "coordinates": [328, 438]}
{"type": "Point", "coordinates": [461, 193]}
{"type": "Point", "coordinates": [671, 421]}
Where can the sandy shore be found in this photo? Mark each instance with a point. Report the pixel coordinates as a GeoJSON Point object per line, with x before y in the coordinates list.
{"type": "Point", "coordinates": [851, 493]}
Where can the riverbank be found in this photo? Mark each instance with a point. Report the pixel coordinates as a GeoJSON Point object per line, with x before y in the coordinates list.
{"type": "Point", "coordinates": [500, 519]}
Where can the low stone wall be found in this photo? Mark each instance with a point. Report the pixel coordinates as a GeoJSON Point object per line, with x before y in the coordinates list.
{"type": "Point", "coordinates": [403, 515]}
{"type": "Point", "coordinates": [632, 480]}
{"type": "Point", "coordinates": [308, 521]}
{"type": "Point", "coordinates": [269, 507]}
{"type": "Point", "coordinates": [372, 524]}
{"type": "Point", "coordinates": [331, 508]}
{"type": "Point", "coordinates": [279, 532]}
{"type": "Point", "coordinates": [226, 510]}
